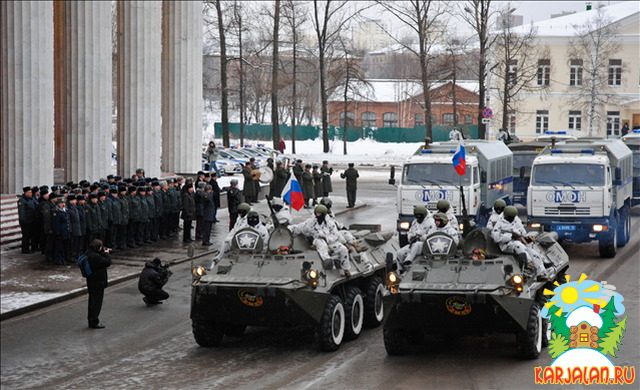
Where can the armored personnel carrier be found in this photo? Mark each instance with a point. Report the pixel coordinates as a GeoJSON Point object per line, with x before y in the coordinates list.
{"type": "Point", "coordinates": [290, 286]}
{"type": "Point", "coordinates": [446, 291]}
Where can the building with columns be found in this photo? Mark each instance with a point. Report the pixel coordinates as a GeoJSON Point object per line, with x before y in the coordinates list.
{"type": "Point", "coordinates": [56, 77]}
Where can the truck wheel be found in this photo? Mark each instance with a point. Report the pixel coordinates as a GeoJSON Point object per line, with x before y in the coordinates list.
{"type": "Point", "coordinates": [623, 227]}
{"type": "Point", "coordinates": [529, 342]}
{"type": "Point", "coordinates": [545, 333]}
{"type": "Point", "coordinates": [608, 248]}
{"type": "Point", "coordinates": [207, 333]}
{"type": "Point", "coordinates": [234, 330]}
{"type": "Point", "coordinates": [396, 342]}
{"type": "Point", "coordinates": [373, 305]}
{"type": "Point", "coordinates": [330, 331]}
{"type": "Point", "coordinates": [354, 313]}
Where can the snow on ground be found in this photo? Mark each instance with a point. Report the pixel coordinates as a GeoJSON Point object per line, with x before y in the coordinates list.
{"type": "Point", "coordinates": [16, 300]}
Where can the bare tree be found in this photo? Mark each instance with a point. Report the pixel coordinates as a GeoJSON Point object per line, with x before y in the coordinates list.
{"type": "Point", "coordinates": [479, 15]}
{"type": "Point", "coordinates": [450, 65]}
{"type": "Point", "coordinates": [424, 19]}
{"type": "Point", "coordinates": [521, 65]}
{"type": "Point", "coordinates": [595, 44]}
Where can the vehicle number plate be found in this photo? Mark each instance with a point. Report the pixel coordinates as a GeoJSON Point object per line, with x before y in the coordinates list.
{"type": "Point", "coordinates": [566, 227]}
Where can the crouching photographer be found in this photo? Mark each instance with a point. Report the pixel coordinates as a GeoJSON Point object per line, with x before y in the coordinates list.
{"type": "Point", "coordinates": [153, 277]}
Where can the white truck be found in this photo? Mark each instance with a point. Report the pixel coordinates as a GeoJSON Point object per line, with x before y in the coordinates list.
{"type": "Point", "coordinates": [581, 189]}
{"type": "Point", "coordinates": [429, 176]}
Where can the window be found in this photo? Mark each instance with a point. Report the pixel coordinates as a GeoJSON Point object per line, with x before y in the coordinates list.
{"type": "Point", "coordinates": [584, 337]}
{"type": "Point", "coordinates": [419, 120]}
{"type": "Point", "coordinates": [613, 122]}
{"type": "Point", "coordinates": [544, 68]}
{"type": "Point", "coordinates": [448, 119]}
{"type": "Point", "coordinates": [511, 122]}
{"type": "Point", "coordinates": [575, 74]}
{"type": "Point", "coordinates": [434, 119]}
{"type": "Point", "coordinates": [542, 121]}
{"type": "Point", "coordinates": [575, 120]}
{"type": "Point", "coordinates": [390, 119]}
{"type": "Point", "coordinates": [368, 119]}
{"type": "Point", "coordinates": [512, 74]}
{"type": "Point", "coordinates": [468, 119]}
{"type": "Point", "coordinates": [615, 72]}
{"type": "Point", "coordinates": [350, 119]}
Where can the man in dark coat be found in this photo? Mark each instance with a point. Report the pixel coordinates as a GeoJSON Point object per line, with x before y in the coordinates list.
{"type": "Point", "coordinates": [42, 201]}
{"type": "Point", "coordinates": [317, 184]}
{"type": "Point", "coordinates": [351, 174]}
{"type": "Point", "coordinates": [144, 215]}
{"type": "Point", "coordinates": [233, 200]}
{"type": "Point", "coordinates": [36, 232]}
{"type": "Point", "coordinates": [99, 260]}
{"type": "Point", "coordinates": [307, 186]}
{"type": "Point", "coordinates": [152, 278]}
{"type": "Point", "coordinates": [125, 206]}
{"type": "Point", "coordinates": [80, 206]}
{"type": "Point", "coordinates": [157, 201]}
{"type": "Point", "coordinates": [197, 197]}
{"type": "Point", "coordinates": [76, 227]}
{"type": "Point", "coordinates": [249, 188]}
{"type": "Point", "coordinates": [134, 217]}
{"type": "Point", "coordinates": [113, 208]}
{"type": "Point", "coordinates": [326, 178]}
{"type": "Point", "coordinates": [151, 202]}
{"type": "Point", "coordinates": [104, 217]}
{"type": "Point", "coordinates": [279, 180]}
{"type": "Point", "coordinates": [297, 171]}
{"type": "Point", "coordinates": [166, 210]}
{"type": "Point", "coordinates": [91, 213]}
{"type": "Point", "coordinates": [208, 215]}
{"type": "Point", "coordinates": [62, 232]}
{"type": "Point", "coordinates": [47, 213]}
{"type": "Point", "coordinates": [215, 191]}
{"type": "Point", "coordinates": [27, 216]}
{"type": "Point", "coordinates": [188, 211]}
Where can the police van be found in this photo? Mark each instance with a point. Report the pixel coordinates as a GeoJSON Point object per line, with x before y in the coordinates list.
{"type": "Point", "coordinates": [581, 189]}
{"type": "Point", "coordinates": [428, 176]}
{"type": "Point", "coordinates": [523, 155]}
{"type": "Point", "coordinates": [633, 142]}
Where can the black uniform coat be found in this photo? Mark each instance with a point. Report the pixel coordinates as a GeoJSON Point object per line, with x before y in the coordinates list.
{"type": "Point", "coordinates": [61, 224]}
{"type": "Point", "coordinates": [317, 179]}
{"type": "Point", "coordinates": [249, 188]}
{"type": "Point", "coordinates": [93, 219]}
{"type": "Point", "coordinates": [47, 212]}
{"type": "Point", "coordinates": [233, 199]}
{"type": "Point", "coordinates": [26, 210]}
{"type": "Point", "coordinates": [98, 262]}
{"type": "Point", "coordinates": [307, 185]}
{"type": "Point", "coordinates": [326, 179]}
{"type": "Point", "coordinates": [198, 196]}
{"type": "Point", "coordinates": [188, 206]}
{"type": "Point", "coordinates": [215, 191]}
{"type": "Point", "coordinates": [297, 171]}
{"type": "Point", "coordinates": [74, 220]}
{"type": "Point", "coordinates": [103, 215]}
{"type": "Point", "coordinates": [209, 207]}
{"type": "Point", "coordinates": [113, 206]}
{"type": "Point", "coordinates": [351, 175]}
{"type": "Point", "coordinates": [279, 181]}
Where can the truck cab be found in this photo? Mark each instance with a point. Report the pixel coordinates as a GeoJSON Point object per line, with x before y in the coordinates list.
{"type": "Point", "coordinates": [523, 155]}
{"type": "Point", "coordinates": [581, 189]}
{"type": "Point", "coordinates": [428, 176]}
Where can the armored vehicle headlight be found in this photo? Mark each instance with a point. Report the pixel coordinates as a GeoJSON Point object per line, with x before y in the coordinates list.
{"type": "Point", "coordinates": [313, 274]}
{"type": "Point", "coordinates": [534, 225]}
{"type": "Point", "coordinates": [517, 279]}
{"type": "Point", "coordinates": [393, 278]}
{"type": "Point", "coordinates": [516, 282]}
{"type": "Point", "coordinates": [461, 226]}
{"type": "Point", "coordinates": [198, 272]}
{"type": "Point", "coordinates": [405, 225]}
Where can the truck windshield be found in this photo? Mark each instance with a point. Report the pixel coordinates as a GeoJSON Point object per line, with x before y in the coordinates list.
{"type": "Point", "coordinates": [430, 174]}
{"type": "Point", "coordinates": [636, 160]}
{"type": "Point", "coordinates": [523, 160]}
{"type": "Point", "coordinates": [568, 174]}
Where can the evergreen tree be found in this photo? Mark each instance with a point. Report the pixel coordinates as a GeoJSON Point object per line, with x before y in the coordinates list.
{"type": "Point", "coordinates": [609, 344]}
{"type": "Point", "coordinates": [557, 345]}
{"type": "Point", "coordinates": [608, 317]}
{"type": "Point", "coordinates": [559, 324]}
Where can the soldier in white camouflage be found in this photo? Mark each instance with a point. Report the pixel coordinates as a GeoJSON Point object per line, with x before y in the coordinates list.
{"type": "Point", "coordinates": [253, 222]}
{"type": "Point", "coordinates": [441, 225]}
{"type": "Point", "coordinates": [420, 227]}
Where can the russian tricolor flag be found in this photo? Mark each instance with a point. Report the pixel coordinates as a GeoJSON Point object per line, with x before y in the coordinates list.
{"type": "Point", "coordinates": [459, 160]}
{"type": "Point", "coordinates": [293, 194]}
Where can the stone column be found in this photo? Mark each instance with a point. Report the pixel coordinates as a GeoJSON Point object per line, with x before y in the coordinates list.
{"type": "Point", "coordinates": [87, 79]}
{"type": "Point", "coordinates": [26, 58]}
{"type": "Point", "coordinates": [181, 86]}
{"type": "Point", "coordinates": [139, 88]}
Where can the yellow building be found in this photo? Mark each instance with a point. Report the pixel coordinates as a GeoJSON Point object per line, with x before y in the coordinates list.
{"type": "Point", "coordinates": [562, 101]}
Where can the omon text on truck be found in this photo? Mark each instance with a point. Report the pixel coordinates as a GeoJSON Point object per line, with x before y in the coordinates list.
{"type": "Point", "coordinates": [581, 189]}
{"type": "Point", "coordinates": [428, 176]}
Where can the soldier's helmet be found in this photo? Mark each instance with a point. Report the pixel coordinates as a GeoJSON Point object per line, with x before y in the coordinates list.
{"type": "Point", "coordinates": [243, 209]}
{"type": "Point", "coordinates": [499, 206]}
{"type": "Point", "coordinates": [443, 206]}
{"type": "Point", "coordinates": [510, 213]}
{"type": "Point", "coordinates": [321, 209]}
{"type": "Point", "coordinates": [327, 203]}
{"type": "Point", "coordinates": [253, 219]}
{"type": "Point", "coordinates": [420, 211]}
{"type": "Point", "coordinates": [442, 217]}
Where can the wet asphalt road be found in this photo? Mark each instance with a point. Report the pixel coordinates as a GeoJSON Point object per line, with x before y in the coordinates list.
{"type": "Point", "coordinates": [153, 348]}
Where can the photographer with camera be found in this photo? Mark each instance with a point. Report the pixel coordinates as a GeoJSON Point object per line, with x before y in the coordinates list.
{"type": "Point", "coordinates": [99, 259]}
{"type": "Point", "coordinates": [153, 277]}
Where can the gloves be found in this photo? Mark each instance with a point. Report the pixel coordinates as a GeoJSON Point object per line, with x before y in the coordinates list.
{"type": "Point", "coordinates": [413, 240]}
{"type": "Point", "coordinates": [515, 236]}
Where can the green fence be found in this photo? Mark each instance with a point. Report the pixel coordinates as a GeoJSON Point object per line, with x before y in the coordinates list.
{"type": "Point", "coordinates": [380, 134]}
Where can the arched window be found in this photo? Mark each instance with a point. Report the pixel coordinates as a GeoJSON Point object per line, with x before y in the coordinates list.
{"type": "Point", "coordinates": [350, 119]}
{"type": "Point", "coordinates": [390, 119]}
{"type": "Point", "coordinates": [368, 119]}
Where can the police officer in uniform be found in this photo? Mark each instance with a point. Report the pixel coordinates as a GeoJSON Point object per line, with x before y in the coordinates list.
{"type": "Point", "coordinates": [144, 215]}
{"type": "Point", "coordinates": [279, 180]}
{"type": "Point", "coordinates": [104, 217]}
{"type": "Point", "coordinates": [27, 215]}
{"type": "Point", "coordinates": [62, 232]}
{"type": "Point", "coordinates": [317, 184]}
{"type": "Point", "coordinates": [307, 186]}
{"type": "Point", "coordinates": [326, 178]}
{"type": "Point", "coordinates": [125, 205]}
{"type": "Point", "coordinates": [92, 214]}
{"type": "Point", "coordinates": [76, 227]}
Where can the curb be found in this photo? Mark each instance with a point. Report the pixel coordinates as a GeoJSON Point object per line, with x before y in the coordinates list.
{"type": "Point", "coordinates": [83, 290]}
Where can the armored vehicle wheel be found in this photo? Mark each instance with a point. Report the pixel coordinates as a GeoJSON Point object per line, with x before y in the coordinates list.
{"type": "Point", "coordinates": [234, 330]}
{"type": "Point", "coordinates": [207, 333]}
{"type": "Point", "coordinates": [396, 342]}
{"type": "Point", "coordinates": [608, 248]}
{"type": "Point", "coordinates": [529, 342]}
{"type": "Point", "coordinates": [354, 313]}
{"type": "Point", "coordinates": [330, 330]}
{"type": "Point", "coordinates": [545, 333]}
{"type": "Point", "coordinates": [373, 306]}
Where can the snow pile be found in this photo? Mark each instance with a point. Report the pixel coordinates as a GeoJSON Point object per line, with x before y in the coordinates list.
{"type": "Point", "coordinates": [582, 314]}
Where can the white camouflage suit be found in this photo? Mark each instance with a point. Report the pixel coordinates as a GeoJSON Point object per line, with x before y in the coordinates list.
{"type": "Point", "coordinates": [346, 236]}
{"type": "Point", "coordinates": [453, 221]}
{"type": "Point", "coordinates": [501, 234]}
{"type": "Point", "coordinates": [325, 236]}
{"type": "Point", "coordinates": [493, 219]}
{"type": "Point", "coordinates": [259, 228]}
{"type": "Point", "coordinates": [416, 248]}
{"type": "Point", "coordinates": [419, 230]}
